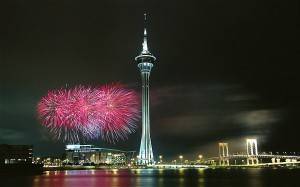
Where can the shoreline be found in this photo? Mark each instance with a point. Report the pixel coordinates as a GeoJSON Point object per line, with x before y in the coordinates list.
{"type": "Point", "coordinates": [182, 168]}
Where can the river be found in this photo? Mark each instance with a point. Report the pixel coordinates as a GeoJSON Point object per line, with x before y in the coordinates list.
{"type": "Point", "coordinates": [254, 177]}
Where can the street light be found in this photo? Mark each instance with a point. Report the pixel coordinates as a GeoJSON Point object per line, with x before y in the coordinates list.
{"type": "Point", "coordinates": [181, 157]}
{"type": "Point", "coordinates": [160, 158]}
{"type": "Point", "coordinates": [200, 158]}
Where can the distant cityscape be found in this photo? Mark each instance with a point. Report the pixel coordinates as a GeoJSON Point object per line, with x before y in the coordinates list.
{"type": "Point", "coordinates": [89, 156]}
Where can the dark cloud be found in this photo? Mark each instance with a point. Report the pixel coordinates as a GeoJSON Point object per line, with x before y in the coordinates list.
{"type": "Point", "coordinates": [8, 135]}
{"type": "Point", "coordinates": [208, 113]}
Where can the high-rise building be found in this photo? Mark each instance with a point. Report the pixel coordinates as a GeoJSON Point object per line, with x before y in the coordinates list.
{"type": "Point", "coordinates": [145, 62]}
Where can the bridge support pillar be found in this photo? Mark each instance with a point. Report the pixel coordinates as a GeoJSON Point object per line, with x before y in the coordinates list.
{"type": "Point", "coordinates": [252, 152]}
{"type": "Point", "coordinates": [273, 160]}
{"type": "Point", "coordinates": [223, 154]}
{"type": "Point", "coordinates": [252, 161]}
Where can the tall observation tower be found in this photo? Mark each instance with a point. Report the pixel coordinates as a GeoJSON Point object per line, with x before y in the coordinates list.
{"type": "Point", "coordinates": [145, 62]}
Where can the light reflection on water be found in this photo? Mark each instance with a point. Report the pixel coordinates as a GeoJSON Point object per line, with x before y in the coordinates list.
{"type": "Point", "coordinates": [158, 178]}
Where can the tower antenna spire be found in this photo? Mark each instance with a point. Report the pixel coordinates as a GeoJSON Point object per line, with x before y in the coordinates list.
{"type": "Point", "coordinates": [145, 21]}
{"type": "Point", "coordinates": [145, 43]}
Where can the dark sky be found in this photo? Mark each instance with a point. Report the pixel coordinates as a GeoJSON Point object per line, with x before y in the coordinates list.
{"type": "Point", "coordinates": [226, 70]}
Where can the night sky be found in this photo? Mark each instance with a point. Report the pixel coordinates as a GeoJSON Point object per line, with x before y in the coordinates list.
{"type": "Point", "coordinates": [226, 70]}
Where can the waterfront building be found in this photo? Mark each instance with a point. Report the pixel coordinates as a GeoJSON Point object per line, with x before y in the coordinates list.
{"type": "Point", "coordinates": [89, 154]}
{"type": "Point", "coordinates": [15, 154]}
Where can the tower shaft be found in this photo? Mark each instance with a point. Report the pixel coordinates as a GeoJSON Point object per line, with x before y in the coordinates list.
{"type": "Point", "coordinates": [145, 153]}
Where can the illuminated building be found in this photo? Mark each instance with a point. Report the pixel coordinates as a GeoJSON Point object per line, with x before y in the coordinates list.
{"type": "Point", "coordinates": [89, 154]}
{"type": "Point", "coordinates": [145, 62]}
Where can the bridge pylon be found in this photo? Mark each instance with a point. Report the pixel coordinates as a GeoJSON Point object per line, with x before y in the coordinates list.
{"type": "Point", "coordinates": [252, 153]}
{"type": "Point", "coordinates": [223, 154]}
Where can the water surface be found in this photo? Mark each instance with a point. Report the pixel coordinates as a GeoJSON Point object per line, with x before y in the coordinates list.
{"type": "Point", "coordinates": [158, 178]}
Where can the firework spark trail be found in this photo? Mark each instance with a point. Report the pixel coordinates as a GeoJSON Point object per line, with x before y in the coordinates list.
{"type": "Point", "coordinates": [117, 107]}
{"type": "Point", "coordinates": [81, 113]}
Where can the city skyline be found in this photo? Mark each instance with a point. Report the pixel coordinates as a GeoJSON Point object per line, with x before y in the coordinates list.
{"type": "Point", "coordinates": [219, 78]}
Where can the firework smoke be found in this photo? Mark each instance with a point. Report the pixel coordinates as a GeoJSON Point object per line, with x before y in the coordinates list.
{"type": "Point", "coordinates": [82, 113]}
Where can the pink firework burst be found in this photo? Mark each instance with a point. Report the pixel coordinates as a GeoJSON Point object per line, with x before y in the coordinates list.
{"type": "Point", "coordinates": [80, 113]}
{"type": "Point", "coordinates": [118, 110]}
